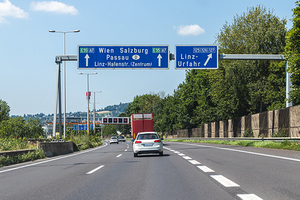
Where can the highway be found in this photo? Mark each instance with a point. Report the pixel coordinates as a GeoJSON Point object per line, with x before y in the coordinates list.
{"type": "Point", "coordinates": [186, 171]}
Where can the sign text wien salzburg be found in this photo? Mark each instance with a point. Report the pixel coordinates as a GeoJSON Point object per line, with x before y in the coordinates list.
{"type": "Point", "coordinates": [123, 57]}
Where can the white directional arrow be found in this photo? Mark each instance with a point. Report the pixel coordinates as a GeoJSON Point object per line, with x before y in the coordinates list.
{"type": "Point", "coordinates": [86, 60]}
{"type": "Point", "coordinates": [209, 56]}
{"type": "Point", "coordinates": [159, 60]}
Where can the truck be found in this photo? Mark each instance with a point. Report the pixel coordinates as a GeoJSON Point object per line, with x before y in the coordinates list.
{"type": "Point", "coordinates": [141, 122]}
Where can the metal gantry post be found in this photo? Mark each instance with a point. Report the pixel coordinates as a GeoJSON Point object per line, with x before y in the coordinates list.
{"type": "Point", "coordinates": [58, 61]}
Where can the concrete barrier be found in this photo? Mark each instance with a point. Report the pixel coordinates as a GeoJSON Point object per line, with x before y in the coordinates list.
{"type": "Point", "coordinates": [284, 121]}
{"type": "Point", "coordinates": [56, 148]}
{"type": "Point", "coordinates": [16, 152]}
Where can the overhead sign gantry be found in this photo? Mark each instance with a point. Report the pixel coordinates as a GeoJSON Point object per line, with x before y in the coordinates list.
{"type": "Point", "coordinates": [150, 57]}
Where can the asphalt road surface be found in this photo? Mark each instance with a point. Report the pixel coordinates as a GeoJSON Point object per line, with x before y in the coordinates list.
{"type": "Point", "coordinates": [186, 171]}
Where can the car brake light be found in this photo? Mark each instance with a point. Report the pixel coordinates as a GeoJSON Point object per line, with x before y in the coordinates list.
{"type": "Point", "coordinates": [156, 140]}
{"type": "Point", "coordinates": [138, 142]}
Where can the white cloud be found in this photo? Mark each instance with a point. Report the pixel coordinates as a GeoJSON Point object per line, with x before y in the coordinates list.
{"type": "Point", "coordinates": [53, 6]}
{"type": "Point", "coordinates": [189, 30]}
{"type": "Point", "coordinates": [9, 10]}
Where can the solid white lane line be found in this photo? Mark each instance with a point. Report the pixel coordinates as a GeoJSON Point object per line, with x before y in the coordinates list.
{"type": "Point", "coordinates": [247, 152]}
{"type": "Point", "coordinates": [54, 159]}
{"type": "Point", "coordinates": [187, 158]}
{"type": "Point", "coordinates": [90, 172]}
{"type": "Point", "coordinates": [194, 162]}
{"type": "Point", "coordinates": [224, 181]}
{"type": "Point", "coordinates": [176, 152]}
{"type": "Point", "coordinates": [249, 197]}
{"type": "Point", "coordinates": [205, 169]}
{"type": "Point", "coordinates": [119, 155]}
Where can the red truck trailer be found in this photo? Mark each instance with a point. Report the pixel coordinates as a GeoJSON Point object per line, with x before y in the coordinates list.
{"type": "Point", "coordinates": [141, 122]}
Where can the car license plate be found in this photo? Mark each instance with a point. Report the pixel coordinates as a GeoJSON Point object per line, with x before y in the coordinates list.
{"type": "Point", "coordinates": [147, 145]}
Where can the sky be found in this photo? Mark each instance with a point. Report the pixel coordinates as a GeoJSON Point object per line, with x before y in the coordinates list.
{"type": "Point", "coordinates": [28, 49]}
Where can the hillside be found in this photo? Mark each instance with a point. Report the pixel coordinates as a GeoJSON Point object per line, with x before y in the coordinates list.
{"type": "Point", "coordinates": [111, 110]}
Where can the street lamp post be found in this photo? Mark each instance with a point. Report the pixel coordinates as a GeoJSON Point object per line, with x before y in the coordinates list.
{"type": "Point", "coordinates": [94, 120]}
{"type": "Point", "coordinates": [64, 52]}
{"type": "Point", "coordinates": [88, 100]}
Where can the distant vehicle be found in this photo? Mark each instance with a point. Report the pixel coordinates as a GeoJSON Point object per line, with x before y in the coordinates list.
{"type": "Point", "coordinates": [147, 142]}
{"type": "Point", "coordinates": [54, 140]}
{"type": "Point", "coordinates": [141, 122]}
{"type": "Point", "coordinates": [121, 138]}
{"type": "Point", "coordinates": [113, 140]}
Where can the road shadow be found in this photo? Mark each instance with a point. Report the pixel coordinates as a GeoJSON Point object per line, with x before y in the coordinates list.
{"type": "Point", "coordinates": [152, 155]}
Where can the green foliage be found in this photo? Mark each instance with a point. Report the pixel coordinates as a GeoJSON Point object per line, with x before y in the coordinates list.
{"type": "Point", "coordinates": [248, 133]}
{"type": "Point", "coordinates": [124, 129]}
{"type": "Point", "coordinates": [18, 128]}
{"type": "Point", "coordinates": [280, 133]}
{"type": "Point", "coordinates": [14, 144]}
{"type": "Point", "coordinates": [237, 88]}
{"type": "Point", "coordinates": [38, 154]}
{"type": "Point", "coordinates": [109, 130]}
{"type": "Point", "coordinates": [247, 87]}
{"type": "Point", "coordinates": [83, 140]}
{"type": "Point", "coordinates": [292, 53]}
{"type": "Point", "coordinates": [4, 111]}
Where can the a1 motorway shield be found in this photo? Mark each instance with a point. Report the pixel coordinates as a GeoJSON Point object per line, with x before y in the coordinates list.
{"type": "Point", "coordinates": [123, 57]}
{"type": "Point", "coordinates": [196, 57]}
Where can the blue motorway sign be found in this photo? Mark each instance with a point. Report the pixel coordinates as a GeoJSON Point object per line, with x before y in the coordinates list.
{"type": "Point", "coordinates": [196, 57]}
{"type": "Point", "coordinates": [123, 57]}
{"type": "Point", "coordinates": [82, 127]}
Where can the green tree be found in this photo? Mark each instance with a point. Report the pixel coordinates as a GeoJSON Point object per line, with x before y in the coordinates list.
{"type": "Point", "coordinates": [4, 111]}
{"type": "Point", "coordinates": [34, 128]}
{"type": "Point", "coordinates": [109, 130]}
{"type": "Point", "coordinates": [242, 86]}
{"type": "Point", "coordinates": [13, 128]}
{"type": "Point", "coordinates": [292, 52]}
{"type": "Point", "coordinates": [147, 103]}
{"type": "Point", "coordinates": [124, 129]}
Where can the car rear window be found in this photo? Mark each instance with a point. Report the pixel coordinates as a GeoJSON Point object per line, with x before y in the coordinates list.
{"type": "Point", "coordinates": [147, 137]}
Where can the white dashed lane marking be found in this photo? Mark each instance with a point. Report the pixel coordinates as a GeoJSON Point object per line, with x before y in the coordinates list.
{"type": "Point", "coordinates": [194, 162]}
{"type": "Point", "coordinates": [90, 172]}
{"type": "Point", "coordinates": [205, 169]}
{"type": "Point", "coordinates": [224, 181]}
{"type": "Point", "coordinates": [219, 178]}
{"type": "Point", "coordinates": [119, 155]}
{"type": "Point", "coordinates": [249, 197]}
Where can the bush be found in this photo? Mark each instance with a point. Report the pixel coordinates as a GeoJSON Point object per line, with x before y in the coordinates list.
{"type": "Point", "coordinates": [248, 133]}
{"type": "Point", "coordinates": [8, 160]}
{"type": "Point", "coordinates": [280, 133]}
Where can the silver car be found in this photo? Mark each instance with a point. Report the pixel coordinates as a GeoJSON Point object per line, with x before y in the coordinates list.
{"type": "Point", "coordinates": [113, 140]}
{"type": "Point", "coordinates": [147, 142]}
